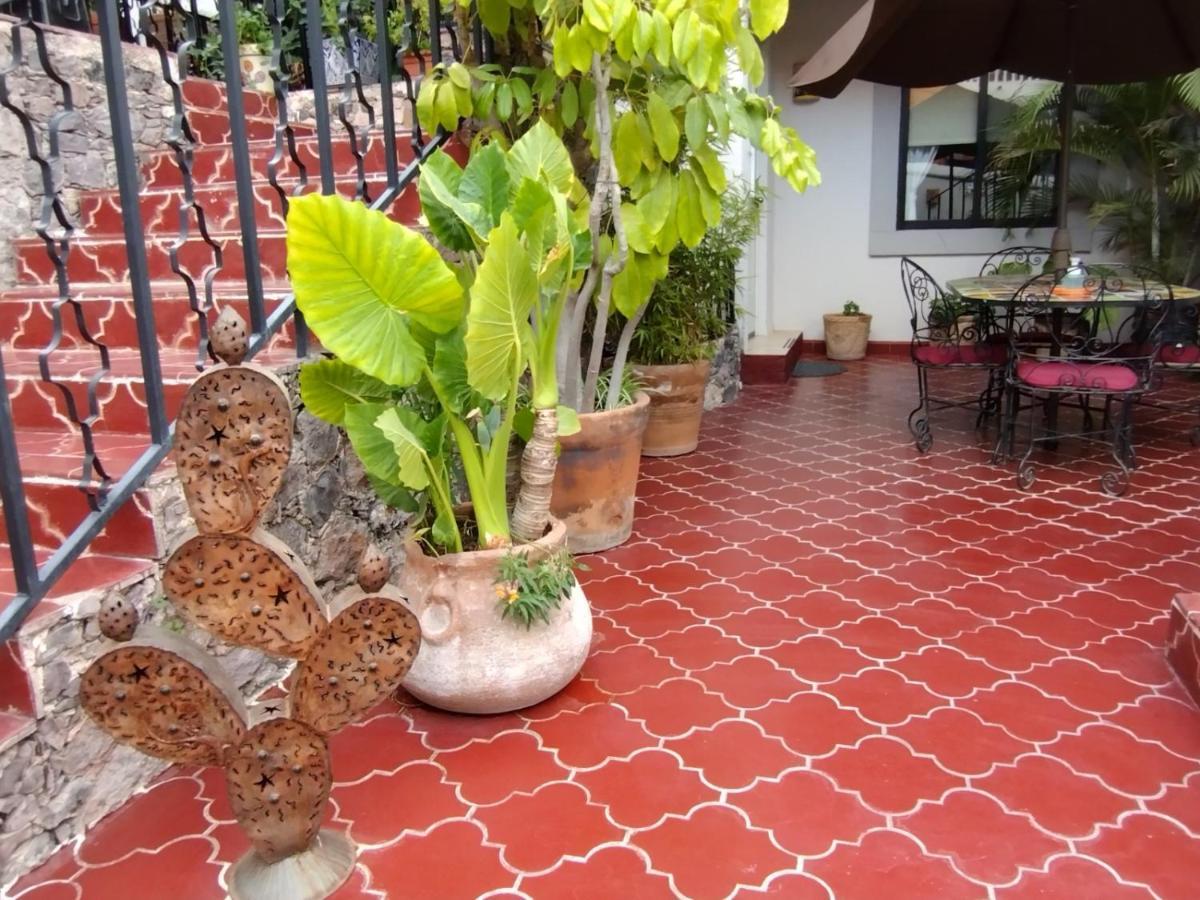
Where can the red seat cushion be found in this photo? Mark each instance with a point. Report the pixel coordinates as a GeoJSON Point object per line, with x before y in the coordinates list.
{"type": "Point", "coordinates": [1179, 354]}
{"type": "Point", "coordinates": [961, 354]}
{"type": "Point", "coordinates": [1054, 373]}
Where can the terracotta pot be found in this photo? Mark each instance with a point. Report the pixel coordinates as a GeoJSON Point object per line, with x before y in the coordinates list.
{"type": "Point", "coordinates": [676, 406]}
{"type": "Point", "coordinates": [472, 660]}
{"type": "Point", "coordinates": [413, 66]}
{"type": "Point", "coordinates": [846, 336]}
{"type": "Point", "coordinates": [596, 479]}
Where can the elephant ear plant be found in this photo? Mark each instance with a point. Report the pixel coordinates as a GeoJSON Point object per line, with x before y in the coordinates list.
{"type": "Point", "coordinates": [432, 354]}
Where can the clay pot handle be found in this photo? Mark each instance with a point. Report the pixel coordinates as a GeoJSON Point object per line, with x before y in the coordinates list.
{"type": "Point", "coordinates": [439, 620]}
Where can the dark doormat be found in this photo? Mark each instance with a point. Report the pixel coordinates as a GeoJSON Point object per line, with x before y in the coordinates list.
{"type": "Point", "coordinates": [817, 368]}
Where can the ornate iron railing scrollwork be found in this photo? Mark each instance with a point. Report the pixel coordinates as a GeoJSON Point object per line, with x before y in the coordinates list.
{"type": "Point", "coordinates": [354, 97]}
{"type": "Point", "coordinates": [56, 227]}
{"type": "Point", "coordinates": [182, 142]}
{"type": "Point", "coordinates": [178, 50]}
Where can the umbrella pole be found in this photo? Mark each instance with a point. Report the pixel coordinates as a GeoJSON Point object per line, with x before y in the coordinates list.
{"type": "Point", "coordinates": [1060, 244]}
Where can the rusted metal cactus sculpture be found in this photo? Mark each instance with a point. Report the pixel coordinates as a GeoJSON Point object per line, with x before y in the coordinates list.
{"type": "Point", "coordinates": [168, 699]}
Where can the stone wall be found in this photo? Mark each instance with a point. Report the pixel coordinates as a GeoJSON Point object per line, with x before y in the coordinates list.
{"type": "Point", "coordinates": [86, 147]}
{"type": "Point", "coordinates": [68, 774]}
{"type": "Point", "coordinates": [725, 379]}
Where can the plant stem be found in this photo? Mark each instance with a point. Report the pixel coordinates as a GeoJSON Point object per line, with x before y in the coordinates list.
{"type": "Point", "coordinates": [608, 191]}
{"type": "Point", "coordinates": [618, 369]}
{"type": "Point", "coordinates": [539, 461]}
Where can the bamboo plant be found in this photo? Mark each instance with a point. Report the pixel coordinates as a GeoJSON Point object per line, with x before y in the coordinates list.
{"type": "Point", "coordinates": [641, 91]}
{"type": "Point", "coordinates": [430, 354]}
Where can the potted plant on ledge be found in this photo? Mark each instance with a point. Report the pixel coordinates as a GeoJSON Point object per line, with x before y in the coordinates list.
{"type": "Point", "coordinates": [846, 333]}
{"type": "Point", "coordinates": [688, 313]}
{"type": "Point", "coordinates": [433, 362]}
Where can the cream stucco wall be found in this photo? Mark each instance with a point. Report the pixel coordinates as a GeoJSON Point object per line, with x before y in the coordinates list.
{"type": "Point", "coordinates": [839, 242]}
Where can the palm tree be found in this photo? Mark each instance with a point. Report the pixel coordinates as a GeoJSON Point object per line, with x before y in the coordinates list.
{"type": "Point", "coordinates": [1145, 139]}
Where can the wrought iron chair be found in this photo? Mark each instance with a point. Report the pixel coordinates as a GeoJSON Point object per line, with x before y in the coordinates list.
{"type": "Point", "coordinates": [1027, 260]}
{"type": "Point", "coordinates": [1179, 351]}
{"type": "Point", "coordinates": [1099, 352]}
{"type": "Point", "coordinates": [946, 335]}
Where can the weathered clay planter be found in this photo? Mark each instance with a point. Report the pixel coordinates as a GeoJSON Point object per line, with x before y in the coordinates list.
{"type": "Point", "coordinates": [256, 69]}
{"type": "Point", "coordinates": [473, 661]}
{"type": "Point", "coordinates": [596, 479]}
{"type": "Point", "coordinates": [676, 406]}
{"type": "Point", "coordinates": [846, 336]}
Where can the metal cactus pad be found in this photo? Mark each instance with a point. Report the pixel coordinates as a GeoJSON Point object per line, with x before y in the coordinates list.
{"type": "Point", "coordinates": [166, 697]}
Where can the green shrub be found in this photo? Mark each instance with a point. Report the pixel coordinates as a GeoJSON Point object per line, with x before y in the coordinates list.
{"type": "Point", "coordinates": [691, 307]}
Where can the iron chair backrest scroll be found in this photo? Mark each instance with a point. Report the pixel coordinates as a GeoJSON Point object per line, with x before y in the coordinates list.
{"type": "Point", "coordinates": [946, 330]}
{"type": "Point", "coordinates": [1081, 323]}
{"type": "Point", "coordinates": [1181, 335]}
{"type": "Point", "coordinates": [1026, 260]}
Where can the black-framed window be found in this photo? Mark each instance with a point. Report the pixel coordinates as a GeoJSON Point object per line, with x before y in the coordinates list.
{"type": "Point", "coordinates": [947, 177]}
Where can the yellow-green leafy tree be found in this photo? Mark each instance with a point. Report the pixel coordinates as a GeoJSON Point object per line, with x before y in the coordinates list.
{"type": "Point", "coordinates": [642, 91]}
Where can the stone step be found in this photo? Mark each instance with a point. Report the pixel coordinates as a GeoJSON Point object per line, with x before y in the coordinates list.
{"type": "Point", "coordinates": [769, 358]}
{"type": "Point", "coordinates": [213, 164]}
{"type": "Point", "coordinates": [27, 315]}
{"type": "Point", "coordinates": [120, 395]}
{"type": "Point", "coordinates": [101, 215]}
{"type": "Point", "coordinates": [205, 95]}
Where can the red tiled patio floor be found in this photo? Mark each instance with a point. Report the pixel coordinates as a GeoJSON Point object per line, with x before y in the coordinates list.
{"type": "Point", "coordinates": [823, 666]}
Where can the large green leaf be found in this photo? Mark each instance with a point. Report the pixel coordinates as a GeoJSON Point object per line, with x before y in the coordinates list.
{"type": "Point", "coordinates": [767, 16]}
{"type": "Point", "coordinates": [664, 126]}
{"type": "Point", "coordinates": [749, 55]}
{"type": "Point", "coordinates": [408, 434]}
{"type": "Point", "coordinates": [327, 386]}
{"type": "Point", "coordinates": [498, 320]}
{"type": "Point", "coordinates": [469, 213]}
{"type": "Point", "coordinates": [485, 183]}
{"type": "Point", "coordinates": [450, 371]}
{"type": "Point", "coordinates": [633, 285]}
{"type": "Point", "coordinates": [533, 212]}
{"type": "Point", "coordinates": [628, 152]}
{"type": "Point", "coordinates": [394, 495]}
{"type": "Point", "coordinates": [361, 278]}
{"type": "Point", "coordinates": [540, 152]}
{"type": "Point", "coordinates": [495, 15]}
{"type": "Point", "coordinates": [689, 216]}
{"type": "Point", "coordinates": [447, 227]}
{"type": "Point", "coordinates": [373, 448]}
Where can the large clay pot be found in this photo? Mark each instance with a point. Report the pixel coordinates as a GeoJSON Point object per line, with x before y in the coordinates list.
{"type": "Point", "coordinates": [596, 479]}
{"type": "Point", "coordinates": [846, 336]}
{"type": "Point", "coordinates": [676, 406]}
{"type": "Point", "coordinates": [472, 660]}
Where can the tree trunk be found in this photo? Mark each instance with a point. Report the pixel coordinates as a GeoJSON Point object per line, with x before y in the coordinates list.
{"type": "Point", "coordinates": [531, 514]}
{"type": "Point", "coordinates": [608, 192]}
{"type": "Point", "coordinates": [618, 369]}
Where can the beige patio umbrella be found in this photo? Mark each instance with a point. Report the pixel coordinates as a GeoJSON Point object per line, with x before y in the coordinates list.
{"type": "Point", "coordinates": [923, 43]}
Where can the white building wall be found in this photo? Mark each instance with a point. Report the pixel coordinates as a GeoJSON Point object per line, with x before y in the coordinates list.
{"type": "Point", "coordinates": [839, 241]}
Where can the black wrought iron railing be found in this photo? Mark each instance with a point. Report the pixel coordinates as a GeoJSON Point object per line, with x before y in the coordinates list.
{"type": "Point", "coordinates": [360, 121]}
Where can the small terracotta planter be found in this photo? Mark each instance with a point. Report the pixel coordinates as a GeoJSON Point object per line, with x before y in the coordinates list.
{"type": "Point", "coordinates": [472, 660]}
{"type": "Point", "coordinates": [676, 406]}
{"type": "Point", "coordinates": [596, 480]}
{"type": "Point", "coordinates": [413, 66]}
{"type": "Point", "coordinates": [846, 336]}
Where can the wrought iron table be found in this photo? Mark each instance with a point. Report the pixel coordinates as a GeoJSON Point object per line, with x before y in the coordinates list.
{"type": "Point", "coordinates": [1001, 292]}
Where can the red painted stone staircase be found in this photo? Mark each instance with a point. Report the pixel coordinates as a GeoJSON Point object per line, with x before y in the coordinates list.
{"type": "Point", "coordinates": [50, 447]}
